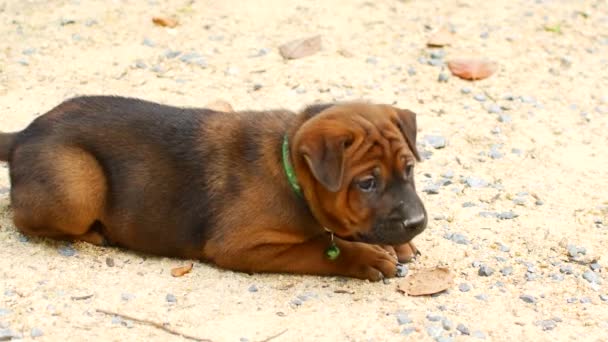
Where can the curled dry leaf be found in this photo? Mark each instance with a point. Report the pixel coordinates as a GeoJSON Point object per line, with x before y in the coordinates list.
{"type": "Point", "coordinates": [220, 106]}
{"type": "Point", "coordinates": [301, 48]}
{"type": "Point", "coordinates": [180, 271]}
{"type": "Point", "coordinates": [164, 22]}
{"type": "Point", "coordinates": [472, 69]}
{"type": "Point", "coordinates": [427, 282]}
{"type": "Point", "coordinates": [440, 38]}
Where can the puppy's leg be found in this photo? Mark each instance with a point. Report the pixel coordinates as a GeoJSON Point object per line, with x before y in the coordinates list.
{"type": "Point", "coordinates": [356, 259]}
{"type": "Point", "coordinates": [57, 192]}
{"type": "Point", "coordinates": [406, 252]}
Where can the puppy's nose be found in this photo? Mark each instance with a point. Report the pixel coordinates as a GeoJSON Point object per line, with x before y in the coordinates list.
{"type": "Point", "coordinates": [399, 213]}
{"type": "Point", "coordinates": [416, 222]}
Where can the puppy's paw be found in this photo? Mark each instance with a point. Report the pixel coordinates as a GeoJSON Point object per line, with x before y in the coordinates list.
{"type": "Point", "coordinates": [406, 252]}
{"type": "Point", "coordinates": [372, 262]}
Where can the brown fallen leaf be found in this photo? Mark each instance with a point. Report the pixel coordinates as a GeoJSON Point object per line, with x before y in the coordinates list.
{"type": "Point", "coordinates": [180, 271]}
{"type": "Point", "coordinates": [164, 22]}
{"type": "Point", "coordinates": [427, 281]}
{"type": "Point", "coordinates": [301, 48]}
{"type": "Point", "coordinates": [472, 69]}
{"type": "Point", "coordinates": [440, 38]}
{"type": "Point", "coordinates": [220, 106]}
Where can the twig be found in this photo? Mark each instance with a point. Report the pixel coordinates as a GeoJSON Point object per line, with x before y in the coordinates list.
{"type": "Point", "coordinates": [273, 336]}
{"type": "Point", "coordinates": [156, 325]}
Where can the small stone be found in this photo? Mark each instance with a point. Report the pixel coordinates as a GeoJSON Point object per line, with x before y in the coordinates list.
{"type": "Point", "coordinates": [116, 320]}
{"type": "Point", "coordinates": [434, 318]}
{"type": "Point", "coordinates": [8, 335]}
{"type": "Point", "coordinates": [528, 298]}
{"type": "Point", "coordinates": [402, 270]}
{"type": "Point", "coordinates": [434, 331]}
{"type": "Point", "coordinates": [23, 61]}
{"type": "Point", "coordinates": [140, 64]}
{"type": "Point", "coordinates": [457, 238]}
{"type": "Point", "coordinates": [411, 71]}
{"type": "Point", "coordinates": [171, 298]}
{"type": "Point", "coordinates": [527, 99]}
{"type": "Point", "coordinates": [485, 271]}
{"type": "Point", "coordinates": [479, 334]}
{"type": "Point", "coordinates": [557, 277]}
{"type": "Point", "coordinates": [65, 22]}
{"type": "Point", "coordinates": [148, 42]}
{"type": "Point", "coordinates": [531, 276]}
{"type": "Point", "coordinates": [566, 269]}
{"type": "Point", "coordinates": [572, 250]}
{"type": "Point", "coordinates": [436, 141]}
{"type": "Point", "coordinates": [403, 318]}
{"type": "Point", "coordinates": [468, 204]}
{"type": "Point", "coordinates": [464, 287]}
{"type": "Point", "coordinates": [465, 90]}
{"type": "Point", "coordinates": [447, 324]}
{"type": "Point", "coordinates": [431, 189]}
{"type": "Point", "coordinates": [507, 215]}
{"type": "Point", "coordinates": [36, 332]}
{"type": "Point", "coordinates": [504, 118]}
{"type": "Point", "coordinates": [480, 97]}
{"type": "Point", "coordinates": [371, 60]}
{"type": "Point", "coordinates": [253, 288]}
{"type": "Point", "coordinates": [157, 69]}
{"type": "Point", "coordinates": [604, 297]}
{"type": "Point", "coordinates": [482, 297]}
{"type": "Point", "coordinates": [437, 54]}
{"type": "Point", "coordinates": [4, 312]}
{"type": "Point", "coordinates": [595, 266]}
{"type": "Point", "coordinates": [170, 54]}
{"type": "Point", "coordinates": [67, 250]}
{"type": "Point", "coordinates": [493, 108]}
{"type": "Point", "coordinates": [193, 58]}
{"type": "Point", "coordinates": [296, 302]}
{"type": "Point", "coordinates": [585, 300]}
{"type": "Point", "coordinates": [591, 277]}
{"type": "Point", "coordinates": [506, 271]}
{"type": "Point", "coordinates": [407, 331]}
{"type": "Point", "coordinates": [443, 77]}
{"type": "Point", "coordinates": [126, 297]}
{"type": "Point", "coordinates": [463, 329]}
{"type": "Point", "coordinates": [110, 262]}
{"type": "Point", "coordinates": [571, 300]}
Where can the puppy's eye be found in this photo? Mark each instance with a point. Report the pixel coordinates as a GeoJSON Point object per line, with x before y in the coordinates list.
{"type": "Point", "coordinates": [367, 184]}
{"type": "Point", "coordinates": [409, 170]}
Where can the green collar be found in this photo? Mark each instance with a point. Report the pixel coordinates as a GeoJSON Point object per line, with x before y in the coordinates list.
{"type": "Point", "coordinates": [289, 171]}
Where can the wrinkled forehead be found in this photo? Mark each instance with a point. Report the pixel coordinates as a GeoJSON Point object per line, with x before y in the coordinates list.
{"type": "Point", "coordinates": [374, 122]}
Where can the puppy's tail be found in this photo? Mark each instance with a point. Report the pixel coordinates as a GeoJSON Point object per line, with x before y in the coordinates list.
{"type": "Point", "coordinates": [6, 143]}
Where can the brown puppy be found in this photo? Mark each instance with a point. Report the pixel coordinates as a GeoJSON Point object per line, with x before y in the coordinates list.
{"type": "Point", "coordinates": [248, 191]}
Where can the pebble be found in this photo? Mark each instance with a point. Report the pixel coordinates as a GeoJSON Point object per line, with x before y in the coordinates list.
{"type": "Point", "coordinates": [443, 77]}
{"type": "Point", "coordinates": [479, 334]}
{"type": "Point", "coordinates": [447, 324]}
{"type": "Point", "coordinates": [170, 54]}
{"type": "Point", "coordinates": [126, 297]}
{"type": "Point", "coordinates": [253, 288]}
{"type": "Point", "coordinates": [171, 298]}
{"type": "Point", "coordinates": [436, 141]}
{"type": "Point", "coordinates": [527, 99]}
{"type": "Point", "coordinates": [482, 296]}
{"type": "Point", "coordinates": [66, 250]}
{"type": "Point", "coordinates": [506, 271]}
{"type": "Point", "coordinates": [571, 300]}
{"type": "Point", "coordinates": [437, 54]}
{"type": "Point", "coordinates": [465, 90]}
{"type": "Point", "coordinates": [371, 60]}
{"type": "Point", "coordinates": [36, 332]}
{"type": "Point", "coordinates": [591, 277]}
{"type": "Point", "coordinates": [140, 64]}
{"type": "Point", "coordinates": [572, 250]}
{"type": "Point", "coordinates": [431, 189]}
{"type": "Point", "coordinates": [457, 238]}
{"type": "Point", "coordinates": [434, 331]}
{"type": "Point", "coordinates": [407, 331]}
{"type": "Point", "coordinates": [148, 42]}
{"type": "Point", "coordinates": [566, 269]}
{"type": "Point", "coordinates": [403, 318]}
{"type": "Point", "coordinates": [4, 312]}
{"type": "Point", "coordinates": [531, 276]}
{"type": "Point", "coordinates": [475, 182]}
{"type": "Point", "coordinates": [507, 215]}
{"type": "Point", "coordinates": [495, 153]}
{"type": "Point", "coordinates": [402, 270]}
{"type": "Point", "coordinates": [464, 287]}
{"type": "Point", "coordinates": [604, 297]}
{"type": "Point", "coordinates": [193, 58]}
{"type": "Point", "coordinates": [463, 329]}
{"type": "Point", "coordinates": [296, 302]}
{"type": "Point", "coordinates": [480, 97]}
{"type": "Point", "coordinates": [468, 204]}
{"type": "Point", "coordinates": [485, 271]}
{"type": "Point", "coordinates": [548, 324]}
{"type": "Point", "coordinates": [110, 262]}
{"type": "Point", "coordinates": [8, 335]}
{"type": "Point", "coordinates": [595, 266]}
{"type": "Point", "coordinates": [585, 300]}
{"type": "Point", "coordinates": [433, 317]}
{"type": "Point", "coordinates": [493, 108]}
{"type": "Point", "coordinates": [411, 71]}
{"type": "Point", "coordinates": [528, 298]}
{"type": "Point", "coordinates": [504, 118]}
{"type": "Point", "coordinates": [23, 61]}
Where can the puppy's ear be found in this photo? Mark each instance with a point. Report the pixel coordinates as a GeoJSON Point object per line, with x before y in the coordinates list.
{"type": "Point", "coordinates": [407, 125]}
{"type": "Point", "coordinates": [323, 152]}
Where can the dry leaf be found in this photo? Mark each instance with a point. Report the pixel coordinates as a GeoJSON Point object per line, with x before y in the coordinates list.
{"type": "Point", "coordinates": [427, 281]}
{"type": "Point", "coordinates": [472, 69]}
{"type": "Point", "coordinates": [180, 271]}
{"type": "Point", "coordinates": [164, 22]}
{"type": "Point", "coordinates": [220, 106]}
{"type": "Point", "coordinates": [301, 47]}
{"type": "Point", "coordinates": [440, 38]}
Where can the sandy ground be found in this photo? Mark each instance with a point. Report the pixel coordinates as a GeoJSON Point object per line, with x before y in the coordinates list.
{"type": "Point", "coordinates": [527, 197]}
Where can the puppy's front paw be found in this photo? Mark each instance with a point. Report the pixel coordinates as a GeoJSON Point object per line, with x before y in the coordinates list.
{"type": "Point", "coordinates": [371, 262]}
{"type": "Point", "coordinates": [406, 252]}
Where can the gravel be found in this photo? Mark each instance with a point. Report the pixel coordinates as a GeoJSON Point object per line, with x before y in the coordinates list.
{"type": "Point", "coordinates": [435, 141]}
{"type": "Point", "coordinates": [434, 331]}
{"type": "Point", "coordinates": [480, 97]}
{"type": "Point", "coordinates": [36, 332]}
{"type": "Point", "coordinates": [171, 298]}
{"type": "Point", "coordinates": [253, 288]}
{"type": "Point", "coordinates": [403, 318]}
{"type": "Point", "coordinates": [592, 277]}
{"type": "Point", "coordinates": [464, 287]}
{"type": "Point", "coordinates": [434, 317]}
{"type": "Point", "coordinates": [463, 329]}
{"type": "Point", "coordinates": [475, 182]}
{"type": "Point", "coordinates": [457, 238]}
{"type": "Point", "coordinates": [506, 271]}
{"type": "Point", "coordinates": [66, 250]}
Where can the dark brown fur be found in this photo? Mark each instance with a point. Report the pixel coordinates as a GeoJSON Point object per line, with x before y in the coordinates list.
{"type": "Point", "coordinates": [198, 183]}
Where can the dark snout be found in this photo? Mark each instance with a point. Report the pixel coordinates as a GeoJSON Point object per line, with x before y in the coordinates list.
{"type": "Point", "coordinates": [405, 220]}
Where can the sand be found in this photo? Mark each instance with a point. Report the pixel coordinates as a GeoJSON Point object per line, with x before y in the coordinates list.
{"type": "Point", "coordinates": [541, 164]}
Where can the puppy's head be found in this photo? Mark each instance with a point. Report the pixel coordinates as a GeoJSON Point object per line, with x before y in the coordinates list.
{"type": "Point", "coordinates": [355, 163]}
